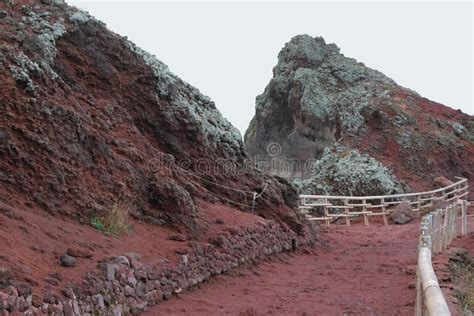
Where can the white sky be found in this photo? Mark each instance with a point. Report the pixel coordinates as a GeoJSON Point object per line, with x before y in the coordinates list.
{"type": "Point", "coordinates": [228, 49]}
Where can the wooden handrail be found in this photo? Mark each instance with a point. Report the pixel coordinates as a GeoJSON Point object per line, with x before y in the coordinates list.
{"type": "Point", "coordinates": [437, 230]}
{"type": "Point", "coordinates": [376, 197]}
{"type": "Point", "coordinates": [350, 204]}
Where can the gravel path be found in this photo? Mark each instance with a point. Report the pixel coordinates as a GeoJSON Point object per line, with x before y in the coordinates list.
{"type": "Point", "coordinates": [356, 271]}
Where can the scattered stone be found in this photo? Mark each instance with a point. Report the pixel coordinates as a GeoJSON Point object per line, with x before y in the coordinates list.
{"type": "Point", "coordinates": [441, 182]}
{"type": "Point", "coordinates": [3, 14]}
{"type": "Point", "coordinates": [79, 253]}
{"type": "Point", "coordinates": [177, 237]}
{"type": "Point", "coordinates": [52, 281]}
{"type": "Point", "coordinates": [218, 241]}
{"type": "Point", "coordinates": [67, 261]}
{"type": "Point", "coordinates": [56, 275]}
{"type": "Point", "coordinates": [31, 281]}
{"type": "Point", "coordinates": [402, 213]}
{"type": "Point", "coordinates": [6, 277]}
{"type": "Point", "coordinates": [24, 289]}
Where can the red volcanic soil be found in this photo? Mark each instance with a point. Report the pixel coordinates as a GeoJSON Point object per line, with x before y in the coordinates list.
{"type": "Point", "coordinates": [31, 242]}
{"type": "Point", "coordinates": [358, 271]}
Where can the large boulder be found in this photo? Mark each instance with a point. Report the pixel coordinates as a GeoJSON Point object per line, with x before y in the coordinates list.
{"type": "Point", "coordinates": [345, 171]}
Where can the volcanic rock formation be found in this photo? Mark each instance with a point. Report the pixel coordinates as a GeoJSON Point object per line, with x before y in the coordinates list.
{"type": "Point", "coordinates": [319, 100]}
{"type": "Point", "coordinates": [89, 119]}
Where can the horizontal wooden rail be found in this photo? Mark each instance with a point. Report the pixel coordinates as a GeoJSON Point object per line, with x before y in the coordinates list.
{"type": "Point", "coordinates": [327, 207]}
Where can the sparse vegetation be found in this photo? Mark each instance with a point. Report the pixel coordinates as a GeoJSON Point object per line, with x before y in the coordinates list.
{"type": "Point", "coordinates": [466, 295]}
{"type": "Point", "coordinates": [462, 268]}
{"type": "Point", "coordinates": [114, 221]}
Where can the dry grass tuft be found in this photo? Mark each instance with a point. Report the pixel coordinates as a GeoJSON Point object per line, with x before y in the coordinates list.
{"type": "Point", "coordinates": [115, 221]}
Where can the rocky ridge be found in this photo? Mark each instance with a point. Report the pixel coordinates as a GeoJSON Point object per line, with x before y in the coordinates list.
{"type": "Point", "coordinates": [86, 112]}
{"type": "Point", "coordinates": [318, 98]}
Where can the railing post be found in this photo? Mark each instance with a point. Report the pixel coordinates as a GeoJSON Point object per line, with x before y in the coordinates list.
{"type": "Point", "coordinates": [364, 209]}
{"type": "Point", "coordinates": [384, 213]}
{"type": "Point", "coordinates": [346, 212]}
{"type": "Point", "coordinates": [419, 294]}
{"type": "Point", "coordinates": [464, 217]}
{"type": "Point", "coordinates": [326, 212]}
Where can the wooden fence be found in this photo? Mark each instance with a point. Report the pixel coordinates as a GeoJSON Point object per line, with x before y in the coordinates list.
{"type": "Point", "coordinates": [326, 208]}
{"type": "Point", "coordinates": [438, 229]}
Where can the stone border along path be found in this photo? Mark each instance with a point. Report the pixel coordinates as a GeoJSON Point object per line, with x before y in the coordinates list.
{"type": "Point", "coordinates": [366, 271]}
{"type": "Point", "coordinates": [125, 285]}
{"type": "Point", "coordinates": [355, 270]}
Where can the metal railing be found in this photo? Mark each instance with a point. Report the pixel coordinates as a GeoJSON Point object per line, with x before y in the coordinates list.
{"type": "Point", "coordinates": [327, 208]}
{"type": "Point", "coordinates": [438, 229]}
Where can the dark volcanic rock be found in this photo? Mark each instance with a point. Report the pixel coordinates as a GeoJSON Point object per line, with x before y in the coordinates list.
{"type": "Point", "coordinates": [89, 117]}
{"type": "Point", "coordinates": [401, 214]}
{"type": "Point", "coordinates": [67, 261]}
{"type": "Point", "coordinates": [318, 97]}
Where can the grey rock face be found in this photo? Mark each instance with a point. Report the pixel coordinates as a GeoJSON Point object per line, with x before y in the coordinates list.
{"type": "Point", "coordinates": [342, 170]}
{"type": "Point", "coordinates": [217, 133]}
{"type": "Point", "coordinates": [80, 17]}
{"type": "Point", "coordinates": [42, 45]}
{"type": "Point", "coordinates": [315, 96]}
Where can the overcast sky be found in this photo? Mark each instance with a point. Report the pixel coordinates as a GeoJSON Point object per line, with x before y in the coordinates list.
{"type": "Point", "coordinates": [228, 50]}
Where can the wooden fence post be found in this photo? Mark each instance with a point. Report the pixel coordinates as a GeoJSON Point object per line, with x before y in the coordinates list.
{"type": "Point", "coordinates": [464, 217]}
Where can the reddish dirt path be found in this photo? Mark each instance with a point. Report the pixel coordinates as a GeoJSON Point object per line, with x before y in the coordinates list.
{"type": "Point", "coordinates": [335, 279]}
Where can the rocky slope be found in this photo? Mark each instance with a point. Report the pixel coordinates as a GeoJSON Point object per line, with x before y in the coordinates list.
{"type": "Point", "coordinates": [92, 125]}
{"type": "Point", "coordinates": [321, 105]}
{"type": "Point", "coordinates": [89, 119]}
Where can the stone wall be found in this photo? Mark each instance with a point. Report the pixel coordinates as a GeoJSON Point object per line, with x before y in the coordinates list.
{"type": "Point", "coordinates": [126, 285]}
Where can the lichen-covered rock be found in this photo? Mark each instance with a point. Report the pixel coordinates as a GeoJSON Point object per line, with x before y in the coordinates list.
{"type": "Point", "coordinates": [318, 97]}
{"type": "Point", "coordinates": [344, 171]}
{"type": "Point", "coordinates": [86, 112]}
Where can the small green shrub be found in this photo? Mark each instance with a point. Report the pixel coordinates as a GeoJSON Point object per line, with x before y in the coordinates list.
{"type": "Point", "coordinates": [96, 222]}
